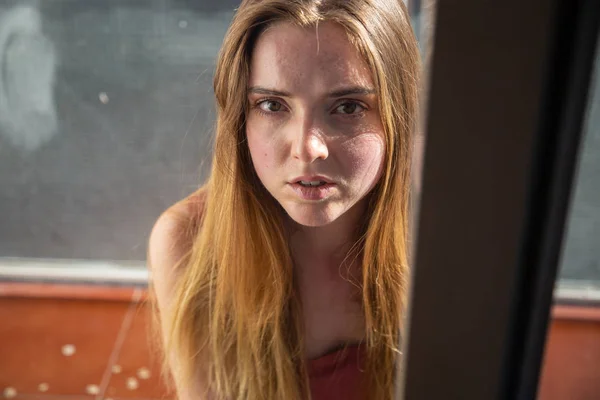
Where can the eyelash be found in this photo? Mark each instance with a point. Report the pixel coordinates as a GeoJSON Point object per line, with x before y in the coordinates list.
{"type": "Point", "coordinates": [258, 108]}
{"type": "Point", "coordinates": [263, 112]}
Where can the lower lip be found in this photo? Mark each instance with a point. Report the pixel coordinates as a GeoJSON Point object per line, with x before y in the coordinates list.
{"type": "Point", "coordinates": [312, 192]}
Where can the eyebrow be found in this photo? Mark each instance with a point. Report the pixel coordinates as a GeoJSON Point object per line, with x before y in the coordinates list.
{"type": "Point", "coordinates": [352, 90]}
{"type": "Point", "coordinates": [345, 91]}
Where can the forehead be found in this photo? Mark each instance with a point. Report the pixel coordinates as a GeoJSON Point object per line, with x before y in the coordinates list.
{"type": "Point", "coordinates": [312, 59]}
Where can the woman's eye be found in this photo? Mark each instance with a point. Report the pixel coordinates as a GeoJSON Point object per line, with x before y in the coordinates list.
{"type": "Point", "coordinates": [349, 108]}
{"type": "Point", "coordinates": [270, 106]}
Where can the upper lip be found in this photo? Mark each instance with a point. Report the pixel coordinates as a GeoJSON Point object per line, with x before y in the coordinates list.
{"type": "Point", "coordinates": [311, 178]}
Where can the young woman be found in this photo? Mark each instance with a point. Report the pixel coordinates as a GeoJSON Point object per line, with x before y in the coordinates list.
{"type": "Point", "coordinates": [284, 277]}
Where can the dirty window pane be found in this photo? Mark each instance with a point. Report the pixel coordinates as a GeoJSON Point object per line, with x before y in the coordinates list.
{"type": "Point", "coordinates": [106, 112]}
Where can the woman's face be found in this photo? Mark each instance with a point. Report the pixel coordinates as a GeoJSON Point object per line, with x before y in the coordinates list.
{"type": "Point", "coordinates": [314, 130]}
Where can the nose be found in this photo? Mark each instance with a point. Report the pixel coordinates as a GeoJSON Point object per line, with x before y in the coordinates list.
{"type": "Point", "coordinates": [309, 143]}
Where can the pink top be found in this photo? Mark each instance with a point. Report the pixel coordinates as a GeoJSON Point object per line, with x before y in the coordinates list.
{"type": "Point", "coordinates": [339, 375]}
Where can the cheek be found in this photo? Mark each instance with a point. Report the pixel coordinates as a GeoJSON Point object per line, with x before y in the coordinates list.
{"type": "Point", "coordinates": [259, 151]}
{"type": "Point", "coordinates": [364, 159]}
{"type": "Point", "coordinates": [263, 153]}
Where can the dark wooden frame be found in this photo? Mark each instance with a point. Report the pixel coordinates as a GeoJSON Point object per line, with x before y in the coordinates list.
{"type": "Point", "coordinates": [506, 96]}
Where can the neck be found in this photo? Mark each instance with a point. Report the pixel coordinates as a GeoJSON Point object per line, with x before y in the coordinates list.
{"type": "Point", "coordinates": [315, 248]}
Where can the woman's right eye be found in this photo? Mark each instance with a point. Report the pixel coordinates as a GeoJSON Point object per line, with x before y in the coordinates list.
{"type": "Point", "coordinates": [270, 106]}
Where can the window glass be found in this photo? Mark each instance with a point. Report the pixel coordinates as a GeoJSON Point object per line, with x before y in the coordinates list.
{"type": "Point", "coordinates": [106, 111]}
{"type": "Point", "coordinates": [579, 274]}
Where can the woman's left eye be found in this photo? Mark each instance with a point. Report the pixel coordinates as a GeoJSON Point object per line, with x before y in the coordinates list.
{"type": "Point", "coordinates": [349, 108]}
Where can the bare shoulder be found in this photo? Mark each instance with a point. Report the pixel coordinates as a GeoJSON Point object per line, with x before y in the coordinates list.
{"type": "Point", "coordinates": [171, 240]}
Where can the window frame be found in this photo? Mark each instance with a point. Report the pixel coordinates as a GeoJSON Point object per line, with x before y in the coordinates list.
{"type": "Point", "coordinates": [505, 103]}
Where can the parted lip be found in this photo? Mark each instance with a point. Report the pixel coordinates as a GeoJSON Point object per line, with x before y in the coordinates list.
{"type": "Point", "coordinates": [311, 178]}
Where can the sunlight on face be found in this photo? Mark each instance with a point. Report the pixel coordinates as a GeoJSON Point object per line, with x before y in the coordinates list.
{"type": "Point", "coordinates": [314, 130]}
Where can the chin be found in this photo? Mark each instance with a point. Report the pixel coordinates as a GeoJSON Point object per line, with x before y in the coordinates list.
{"type": "Point", "coordinates": [312, 215]}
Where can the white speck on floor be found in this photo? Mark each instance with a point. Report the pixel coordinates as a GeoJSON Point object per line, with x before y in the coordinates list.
{"type": "Point", "coordinates": [10, 392]}
{"type": "Point", "coordinates": [68, 350]}
{"type": "Point", "coordinates": [143, 373]}
{"type": "Point", "coordinates": [92, 389]}
{"type": "Point", "coordinates": [132, 383]}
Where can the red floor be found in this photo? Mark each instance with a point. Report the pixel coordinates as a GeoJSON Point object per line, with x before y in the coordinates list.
{"type": "Point", "coordinates": [109, 334]}
{"type": "Point", "coordinates": [107, 327]}
{"type": "Point", "coordinates": [571, 368]}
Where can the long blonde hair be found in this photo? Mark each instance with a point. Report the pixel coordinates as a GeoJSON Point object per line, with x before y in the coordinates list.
{"type": "Point", "coordinates": [236, 314]}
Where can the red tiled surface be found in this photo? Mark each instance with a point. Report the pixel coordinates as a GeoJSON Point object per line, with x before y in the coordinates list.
{"type": "Point", "coordinates": [576, 313]}
{"type": "Point", "coordinates": [68, 291]}
{"type": "Point", "coordinates": [106, 324]}
{"type": "Point", "coordinates": [571, 368]}
{"type": "Point", "coordinates": [136, 354]}
{"type": "Point", "coordinates": [111, 329]}
{"type": "Point", "coordinates": [33, 332]}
